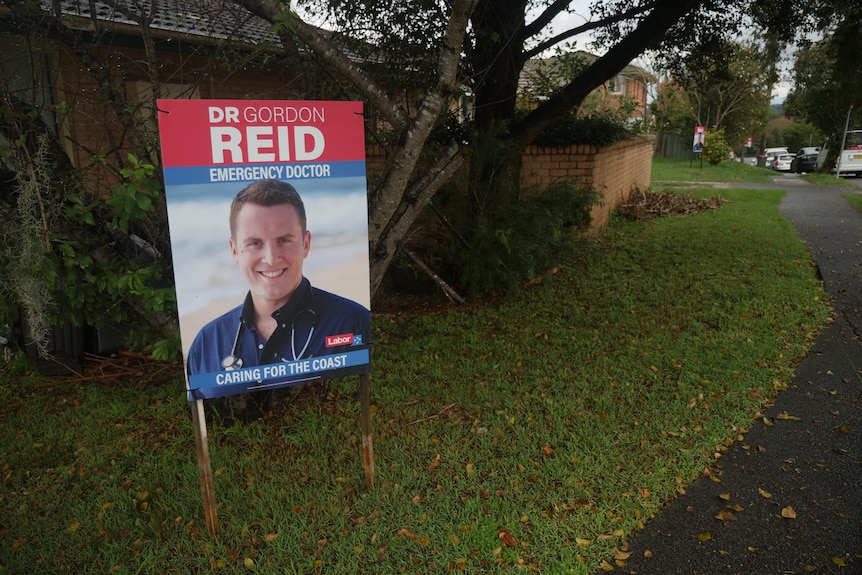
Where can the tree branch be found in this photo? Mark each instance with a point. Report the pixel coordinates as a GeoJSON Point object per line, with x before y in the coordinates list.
{"type": "Point", "coordinates": [651, 29]}
{"type": "Point", "coordinates": [592, 25]}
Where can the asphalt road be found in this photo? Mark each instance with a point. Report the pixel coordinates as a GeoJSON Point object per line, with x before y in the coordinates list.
{"type": "Point", "coordinates": [787, 499]}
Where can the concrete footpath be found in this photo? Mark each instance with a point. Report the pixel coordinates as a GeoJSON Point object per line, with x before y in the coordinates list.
{"type": "Point", "coordinates": [788, 497]}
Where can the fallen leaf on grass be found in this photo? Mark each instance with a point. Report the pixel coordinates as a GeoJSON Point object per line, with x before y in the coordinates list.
{"type": "Point", "coordinates": [620, 555]}
{"type": "Point", "coordinates": [507, 538]}
{"type": "Point", "coordinates": [435, 463]}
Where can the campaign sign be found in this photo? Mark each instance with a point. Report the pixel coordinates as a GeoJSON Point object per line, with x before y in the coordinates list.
{"type": "Point", "coordinates": [699, 133]}
{"type": "Point", "coordinates": [267, 297]}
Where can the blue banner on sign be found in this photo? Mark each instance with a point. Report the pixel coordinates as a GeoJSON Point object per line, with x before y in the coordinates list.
{"type": "Point", "coordinates": [179, 176]}
{"type": "Point", "coordinates": [282, 374]}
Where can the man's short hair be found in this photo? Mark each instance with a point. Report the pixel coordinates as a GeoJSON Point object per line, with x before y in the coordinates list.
{"type": "Point", "coordinates": [267, 193]}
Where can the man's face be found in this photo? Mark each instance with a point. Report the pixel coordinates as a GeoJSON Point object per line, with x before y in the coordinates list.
{"type": "Point", "coordinates": [269, 246]}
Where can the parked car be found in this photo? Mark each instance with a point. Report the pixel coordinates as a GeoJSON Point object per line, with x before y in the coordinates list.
{"type": "Point", "coordinates": [772, 153]}
{"type": "Point", "coordinates": [805, 160]}
{"type": "Point", "coordinates": [782, 163]}
{"type": "Point", "coordinates": [850, 159]}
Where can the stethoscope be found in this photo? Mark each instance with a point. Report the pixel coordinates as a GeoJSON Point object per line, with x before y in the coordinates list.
{"type": "Point", "coordinates": [233, 361]}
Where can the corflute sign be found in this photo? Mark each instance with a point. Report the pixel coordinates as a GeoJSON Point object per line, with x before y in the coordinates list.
{"type": "Point", "coordinates": [267, 209]}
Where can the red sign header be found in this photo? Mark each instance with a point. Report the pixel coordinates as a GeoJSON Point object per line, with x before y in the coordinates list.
{"type": "Point", "coordinates": [228, 132]}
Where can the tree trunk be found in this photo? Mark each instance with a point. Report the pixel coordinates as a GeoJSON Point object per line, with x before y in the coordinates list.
{"type": "Point", "coordinates": [497, 60]}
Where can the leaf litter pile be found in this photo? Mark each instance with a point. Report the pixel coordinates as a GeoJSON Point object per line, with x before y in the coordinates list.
{"type": "Point", "coordinates": [646, 205]}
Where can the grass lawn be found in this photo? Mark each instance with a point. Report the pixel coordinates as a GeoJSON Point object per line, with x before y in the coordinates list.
{"type": "Point", "coordinates": [670, 170]}
{"type": "Point", "coordinates": [530, 436]}
{"type": "Point", "coordinates": [855, 201]}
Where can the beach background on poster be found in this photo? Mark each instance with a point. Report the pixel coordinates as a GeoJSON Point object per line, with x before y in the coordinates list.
{"type": "Point", "coordinates": [208, 282]}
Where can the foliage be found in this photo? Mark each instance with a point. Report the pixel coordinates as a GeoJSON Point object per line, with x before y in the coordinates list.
{"type": "Point", "coordinates": [25, 255]}
{"type": "Point", "coordinates": [533, 436]}
{"type": "Point", "coordinates": [70, 265]}
{"type": "Point", "coordinates": [715, 148]}
{"type": "Point", "coordinates": [600, 130]}
{"type": "Point", "coordinates": [799, 135]}
{"type": "Point", "coordinates": [672, 108]}
{"type": "Point", "coordinates": [523, 235]}
{"type": "Point", "coordinates": [727, 87]}
{"type": "Point", "coordinates": [827, 75]}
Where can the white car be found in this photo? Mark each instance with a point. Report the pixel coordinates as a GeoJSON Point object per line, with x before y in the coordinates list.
{"type": "Point", "coordinates": [782, 163]}
{"type": "Point", "coordinates": [850, 159]}
{"type": "Point", "coordinates": [772, 153]}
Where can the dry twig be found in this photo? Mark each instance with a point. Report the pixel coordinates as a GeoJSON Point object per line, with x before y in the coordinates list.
{"type": "Point", "coordinates": [646, 205]}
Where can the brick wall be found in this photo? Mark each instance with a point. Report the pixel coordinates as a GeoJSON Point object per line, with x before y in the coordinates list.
{"type": "Point", "coordinates": [613, 171]}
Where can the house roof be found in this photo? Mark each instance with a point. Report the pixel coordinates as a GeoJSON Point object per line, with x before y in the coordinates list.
{"type": "Point", "coordinates": [196, 18]}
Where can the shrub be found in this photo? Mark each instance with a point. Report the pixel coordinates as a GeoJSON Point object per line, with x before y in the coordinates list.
{"type": "Point", "coordinates": [600, 130]}
{"type": "Point", "coordinates": [514, 241]}
{"type": "Point", "coordinates": [715, 148]}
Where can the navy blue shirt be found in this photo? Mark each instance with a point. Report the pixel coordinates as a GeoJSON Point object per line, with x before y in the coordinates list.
{"type": "Point", "coordinates": [312, 324]}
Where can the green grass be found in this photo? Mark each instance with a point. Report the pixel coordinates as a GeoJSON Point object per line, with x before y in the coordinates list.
{"type": "Point", "coordinates": [855, 200]}
{"type": "Point", "coordinates": [536, 434]}
{"type": "Point", "coordinates": [670, 170]}
{"type": "Point", "coordinates": [828, 180]}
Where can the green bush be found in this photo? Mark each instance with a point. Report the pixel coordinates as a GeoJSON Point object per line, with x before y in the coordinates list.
{"type": "Point", "coordinates": [715, 148]}
{"type": "Point", "coordinates": [515, 241]}
{"type": "Point", "coordinates": [600, 130]}
{"type": "Point", "coordinates": [83, 259]}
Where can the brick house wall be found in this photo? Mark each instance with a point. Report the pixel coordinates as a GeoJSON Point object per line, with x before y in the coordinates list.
{"type": "Point", "coordinates": [93, 134]}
